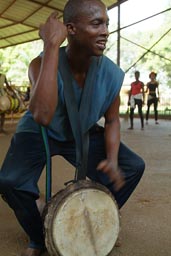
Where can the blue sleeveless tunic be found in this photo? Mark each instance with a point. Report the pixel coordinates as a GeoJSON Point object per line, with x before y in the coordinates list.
{"type": "Point", "coordinates": [93, 101]}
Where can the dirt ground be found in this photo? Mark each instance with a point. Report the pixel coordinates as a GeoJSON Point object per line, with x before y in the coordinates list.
{"type": "Point", "coordinates": [146, 217]}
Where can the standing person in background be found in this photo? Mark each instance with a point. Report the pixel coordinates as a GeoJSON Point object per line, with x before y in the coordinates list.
{"type": "Point", "coordinates": [153, 96]}
{"type": "Point", "coordinates": [136, 97]}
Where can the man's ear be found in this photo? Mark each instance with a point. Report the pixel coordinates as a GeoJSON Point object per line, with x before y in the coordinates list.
{"type": "Point", "coordinates": [71, 28]}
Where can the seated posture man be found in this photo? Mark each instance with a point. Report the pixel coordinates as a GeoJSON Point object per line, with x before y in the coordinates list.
{"type": "Point", "coordinates": [110, 162]}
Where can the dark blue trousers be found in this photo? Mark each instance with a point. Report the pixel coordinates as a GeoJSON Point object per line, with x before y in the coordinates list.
{"type": "Point", "coordinates": [25, 161]}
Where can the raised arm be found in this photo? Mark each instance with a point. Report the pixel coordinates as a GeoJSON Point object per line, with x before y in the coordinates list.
{"type": "Point", "coordinates": [112, 142]}
{"type": "Point", "coordinates": [43, 71]}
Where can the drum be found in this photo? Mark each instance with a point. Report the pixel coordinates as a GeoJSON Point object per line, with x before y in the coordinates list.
{"type": "Point", "coordinates": [8, 103]}
{"type": "Point", "coordinates": [4, 103]}
{"type": "Point", "coordinates": [14, 104]}
{"type": "Point", "coordinates": [82, 219]}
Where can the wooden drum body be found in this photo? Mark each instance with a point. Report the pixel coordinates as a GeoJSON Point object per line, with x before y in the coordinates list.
{"type": "Point", "coordinates": [81, 220]}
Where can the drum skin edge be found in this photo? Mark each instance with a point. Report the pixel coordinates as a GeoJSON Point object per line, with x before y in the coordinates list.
{"type": "Point", "coordinates": [57, 203]}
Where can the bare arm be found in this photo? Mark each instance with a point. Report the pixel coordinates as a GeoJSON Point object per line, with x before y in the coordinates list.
{"type": "Point", "coordinates": [146, 88]}
{"type": "Point", "coordinates": [43, 71]}
{"type": "Point", "coordinates": [143, 92]}
{"type": "Point", "coordinates": [112, 142]}
{"type": "Point", "coordinates": [44, 89]}
{"type": "Point", "coordinates": [129, 95]}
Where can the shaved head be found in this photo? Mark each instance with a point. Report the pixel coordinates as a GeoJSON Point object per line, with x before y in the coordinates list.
{"type": "Point", "coordinates": [75, 8]}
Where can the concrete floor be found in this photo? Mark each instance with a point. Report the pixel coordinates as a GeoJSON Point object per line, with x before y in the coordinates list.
{"type": "Point", "coordinates": [145, 221]}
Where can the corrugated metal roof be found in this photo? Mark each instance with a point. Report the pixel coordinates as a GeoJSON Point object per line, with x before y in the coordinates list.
{"type": "Point", "coordinates": [20, 19]}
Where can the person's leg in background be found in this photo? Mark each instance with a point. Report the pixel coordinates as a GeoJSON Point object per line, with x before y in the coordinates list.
{"type": "Point", "coordinates": [148, 110]}
{"type": "Point", "coordinates": [155, 110]}
{"type": "Point", "coordinates": [140, 105]}
{"type": "Point", "coordinates": [131, 116]}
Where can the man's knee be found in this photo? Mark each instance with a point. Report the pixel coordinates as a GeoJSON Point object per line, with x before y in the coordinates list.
{"type": "Point", "coordinates": [6, 184]}
{"type": "Point", "coordinates": [140, 167]}
{"type": "Point", "coordinates": [135, 168]}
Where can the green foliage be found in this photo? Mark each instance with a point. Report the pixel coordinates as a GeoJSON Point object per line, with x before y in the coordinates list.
{"type": "Point", "coordinates": [145, 50]}
{"type": "Point", "coordinates": [15, 61]}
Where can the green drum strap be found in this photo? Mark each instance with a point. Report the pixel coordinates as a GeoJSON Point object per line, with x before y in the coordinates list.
{"type": "Point", "coordinates": [48, 164]}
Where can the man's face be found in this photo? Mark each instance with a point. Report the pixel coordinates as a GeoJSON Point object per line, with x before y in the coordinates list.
{"type": "Point", "coordinates": [92, 28]}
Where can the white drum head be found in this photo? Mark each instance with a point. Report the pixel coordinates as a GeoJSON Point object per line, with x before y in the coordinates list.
{"type": "Point", "coordinates": [85, 223]}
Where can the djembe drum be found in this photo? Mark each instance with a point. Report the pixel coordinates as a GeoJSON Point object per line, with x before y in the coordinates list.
{"type": "Point", "coordinates": [4, 103]}
{"type": "Point", "coordinates": [82, 219]}
{"type": "Point", "coordinates": [8, 103]}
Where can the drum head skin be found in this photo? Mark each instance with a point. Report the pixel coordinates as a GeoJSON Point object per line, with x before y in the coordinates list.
{"type": "Point", "coordinates": [8, 103]}
{"type": "Point", "coordinates": [4, 103]}
{"type": "Point", "coordinates": [81, 220]}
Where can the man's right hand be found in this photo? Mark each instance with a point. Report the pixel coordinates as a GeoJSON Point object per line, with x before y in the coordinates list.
{"type": "Point", "coordinates": [53, 31]}
{"type": "Point", "coordinates": [113, 172]}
